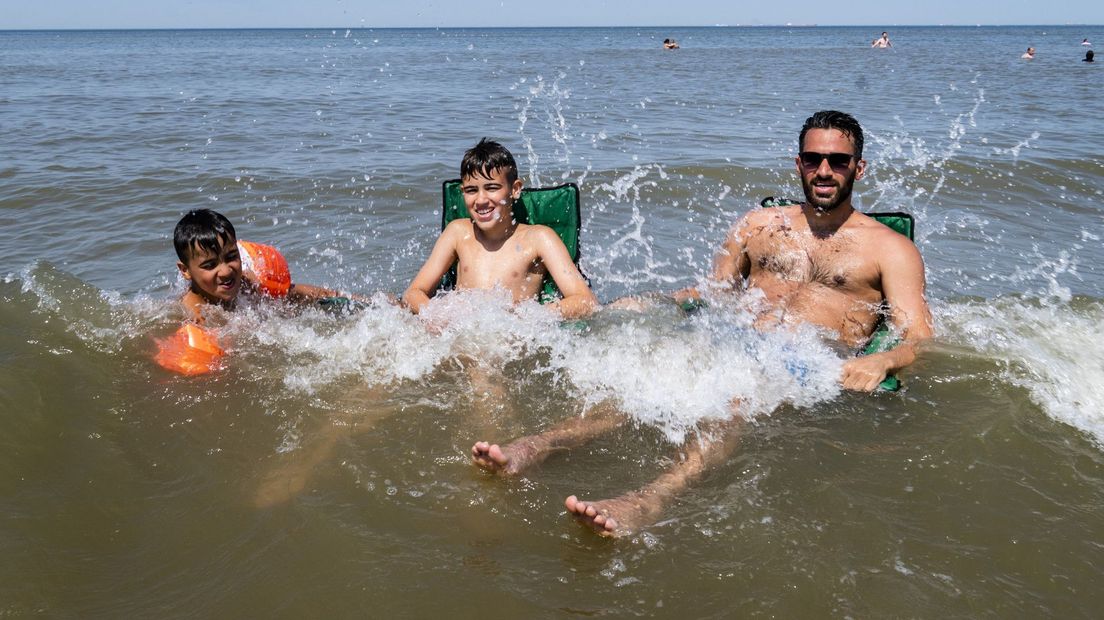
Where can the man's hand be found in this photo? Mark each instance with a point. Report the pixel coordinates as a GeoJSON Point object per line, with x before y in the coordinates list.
{"type": "Point", "coordinates": [865, 373]}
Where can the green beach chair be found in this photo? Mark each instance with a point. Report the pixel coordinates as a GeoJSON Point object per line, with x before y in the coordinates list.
{"type": "Point", "coordinates": [555, 207]}
{"type": "Point", "coordinates": [882, 339]}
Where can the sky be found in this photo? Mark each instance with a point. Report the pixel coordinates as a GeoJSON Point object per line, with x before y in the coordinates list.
{"type": "Point", "coordinates": [100, 14]}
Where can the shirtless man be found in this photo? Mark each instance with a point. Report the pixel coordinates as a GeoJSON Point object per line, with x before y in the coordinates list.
{"type": "Point", "coordinates": [882, 42]}
{"type": "Point", "coordinates": [821, 262]}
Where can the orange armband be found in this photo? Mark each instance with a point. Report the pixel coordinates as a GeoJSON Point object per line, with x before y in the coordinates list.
{"type": "Point", "coordinates": [190, 350]}
{"type": "Point", "coordinates": [268, 265]}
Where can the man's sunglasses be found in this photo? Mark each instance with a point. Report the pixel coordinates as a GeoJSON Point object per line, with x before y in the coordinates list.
{"type": "Point", "coordinates": [839, 162]}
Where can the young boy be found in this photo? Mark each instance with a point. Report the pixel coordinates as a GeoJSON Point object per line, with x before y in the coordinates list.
{"type": "Point", "coordinates": [210, 260]}
{"type": "Point", "coordinates": [491, 249]}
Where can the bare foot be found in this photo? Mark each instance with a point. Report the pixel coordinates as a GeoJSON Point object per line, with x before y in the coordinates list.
{"type": "Point", "coordinates": [284, 483]}
{"type": "Point", "coordinates": [615, 517]}
{"type": "Point", "coordinates": [512, 458]}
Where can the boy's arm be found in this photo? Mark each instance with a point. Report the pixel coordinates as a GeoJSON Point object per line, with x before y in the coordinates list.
{"type": "Point", "coordinates": [303, 293]}
{"type": "Point", "coordinates": [578, 300]}
{"type": "Point", "coordinates": [429, 276]}
{"type": "Point", "coordinates": [903, 287]}
{"type": "Point", "coordinates": [309, 293]}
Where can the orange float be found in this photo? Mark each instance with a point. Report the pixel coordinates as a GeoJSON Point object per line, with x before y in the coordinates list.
{"type": "Point", "coordinates": [191, 350]}
{"type": "Point", "coordinates": [268, 265]}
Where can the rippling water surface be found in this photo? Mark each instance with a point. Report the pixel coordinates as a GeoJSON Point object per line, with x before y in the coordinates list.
{"type": "Point", "coordinates": [324, 473]}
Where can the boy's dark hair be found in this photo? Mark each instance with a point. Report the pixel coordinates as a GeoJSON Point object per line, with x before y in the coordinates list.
{"type": "Point", "coordinates": [486, 157]}
{"type": "Point", "coordinates": [831, 119]}
{"type": "Point", "coordinates": [204, 228]}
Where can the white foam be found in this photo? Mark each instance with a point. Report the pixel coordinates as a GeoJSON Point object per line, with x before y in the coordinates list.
{"type": "Point", "coordinates": [1051, 348]}
{"type": "Point", "coordinates": [675, 376]}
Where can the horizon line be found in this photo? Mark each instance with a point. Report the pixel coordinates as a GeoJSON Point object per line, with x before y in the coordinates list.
{"type": "Point", "coordinates": [542, 27]}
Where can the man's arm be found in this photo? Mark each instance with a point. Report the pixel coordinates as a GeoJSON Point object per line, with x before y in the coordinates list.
{"type": "Point", "coordinates": [429, 276]}
{"type": "Point", "coordinates": [578, 300]}
{"type": "Point", "coordinates": [903, 287]}
{"type": "Point", "coordinates": [730, 265]}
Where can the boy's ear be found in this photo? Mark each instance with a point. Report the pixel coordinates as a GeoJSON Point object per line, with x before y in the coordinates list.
{"type": "Point", "coordinates": [515, 189]}
{"type": "Point", "coordinates": [184, 270]}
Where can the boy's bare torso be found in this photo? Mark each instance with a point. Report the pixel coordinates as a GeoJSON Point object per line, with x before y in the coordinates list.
{"type": "Point", "coordinates": [833, 281]}
{"type": "Point", "coordinates": [513, 264]}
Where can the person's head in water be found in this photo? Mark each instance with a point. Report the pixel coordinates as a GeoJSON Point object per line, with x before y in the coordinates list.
{"type": "Point", "coordinates": [207, 248]}
{"type": "Point", "coordinates": [829, 160]}
{"type": "Point", "coordinates": [1088, 56]}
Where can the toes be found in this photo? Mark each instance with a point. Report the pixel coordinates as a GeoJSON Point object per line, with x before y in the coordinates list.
{"type": "Point", "coordinates": [497, 455]}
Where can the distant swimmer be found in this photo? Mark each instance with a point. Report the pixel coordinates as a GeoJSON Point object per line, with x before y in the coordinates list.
{"type": "Point", "coordinates": [670, 44]}
{"type": "Point", "coordinates": [1086, 43]}
{"type": "Point", "coordinates": [882, 42]}
{"type": "Point", "coordinates": [1088, 57]}
{"type": "Point", "coordinates": [1029, 54]}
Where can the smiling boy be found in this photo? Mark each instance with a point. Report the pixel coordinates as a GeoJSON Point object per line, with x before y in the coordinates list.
{"type": "Point", "coordinates": [491, 249]}
{"type": "Point", "coordinates": [211, 262]}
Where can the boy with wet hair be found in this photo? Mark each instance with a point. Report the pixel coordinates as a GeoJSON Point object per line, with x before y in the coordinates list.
{"type": "Point", "coordinates": [491, 249]}
{"type": "Point", "coordinates": [210, 261]}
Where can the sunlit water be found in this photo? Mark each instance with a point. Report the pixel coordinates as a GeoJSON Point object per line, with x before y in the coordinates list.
{"type": "Point", "coordinates": [324, 471]}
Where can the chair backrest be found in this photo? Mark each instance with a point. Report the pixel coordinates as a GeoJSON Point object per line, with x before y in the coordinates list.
{"type": "Point", "coordinates": [555, 207]}
{"type": "Point", "coordinates": [897, 220]}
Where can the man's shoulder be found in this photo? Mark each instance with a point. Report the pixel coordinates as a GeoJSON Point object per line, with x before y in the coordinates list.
{"type": "Point", "coordinates": [879, 238]}
{"type": "Point", "coordinates": [767, 216]}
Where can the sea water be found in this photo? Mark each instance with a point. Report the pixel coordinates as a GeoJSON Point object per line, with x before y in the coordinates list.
{"type": "Point", "coordinates": [324, 470]}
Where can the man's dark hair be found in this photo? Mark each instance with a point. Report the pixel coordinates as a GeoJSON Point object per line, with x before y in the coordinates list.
{"type": "Point", "coordinates": [204, 228]}
{"type": "Point", "coordinates": [486, 157]}
{"type": "Point", "coordinates": [831, 119]}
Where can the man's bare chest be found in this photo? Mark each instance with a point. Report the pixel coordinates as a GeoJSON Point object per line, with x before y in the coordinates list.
{"type": "Point", "coordinates": [833, 263]}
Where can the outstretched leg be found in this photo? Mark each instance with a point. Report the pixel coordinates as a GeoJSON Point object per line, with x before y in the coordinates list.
{"type": "Point", "coordinates": [524, 452]}
{"type": "Point", "coordinates": [295, 469]}
{"type": "Point", "coordinates": [627, 513]}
